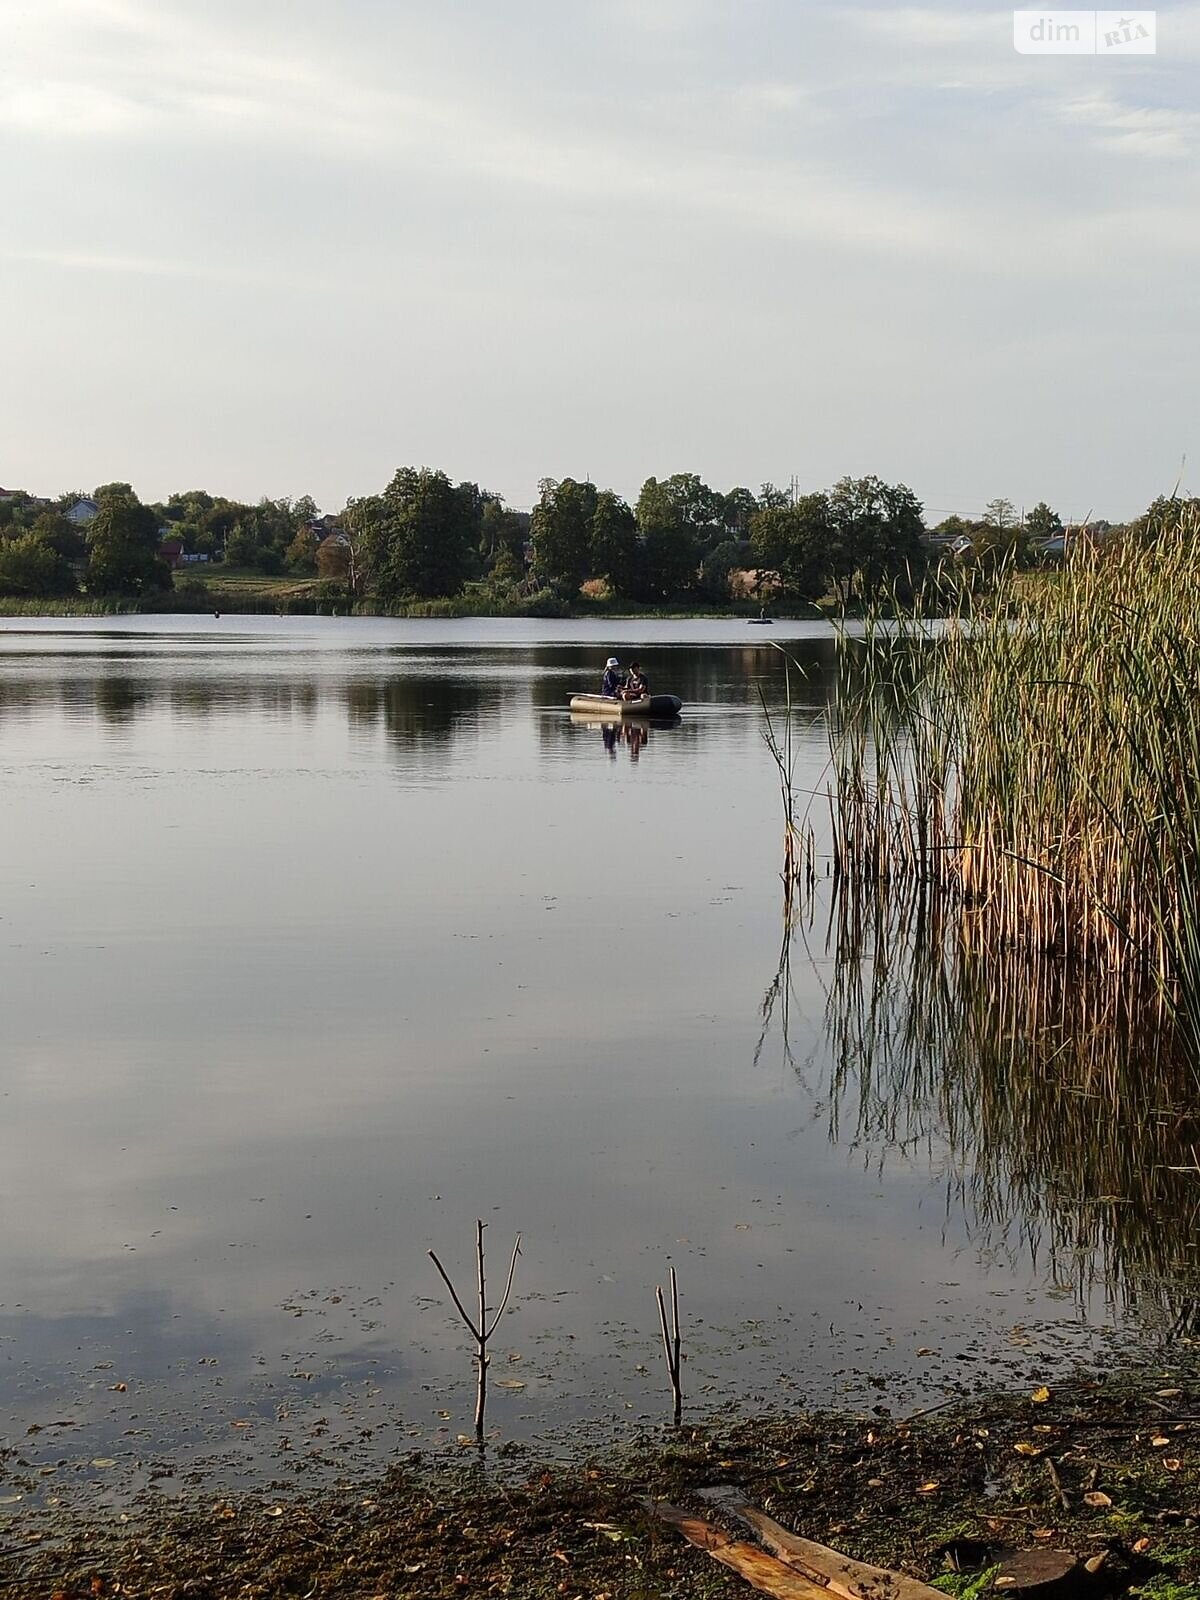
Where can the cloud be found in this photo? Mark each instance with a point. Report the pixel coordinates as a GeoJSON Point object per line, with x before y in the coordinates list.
{"type": "Point", "coordinates": [1130, 129]}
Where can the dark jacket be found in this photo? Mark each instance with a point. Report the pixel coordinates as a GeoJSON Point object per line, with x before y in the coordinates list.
{"type": "Point", "coordinates": [612, 682]}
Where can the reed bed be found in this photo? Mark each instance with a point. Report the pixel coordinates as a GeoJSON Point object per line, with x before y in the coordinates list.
{"type": "Point", "coordinates": [1039, 764]}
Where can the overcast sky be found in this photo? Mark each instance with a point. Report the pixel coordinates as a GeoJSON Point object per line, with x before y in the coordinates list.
{"type": "Point", "coordinates": [284, 246]}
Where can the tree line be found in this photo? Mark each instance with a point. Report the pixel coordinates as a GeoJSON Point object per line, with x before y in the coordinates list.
{"type": "Point", "coordinates": [424, 537]}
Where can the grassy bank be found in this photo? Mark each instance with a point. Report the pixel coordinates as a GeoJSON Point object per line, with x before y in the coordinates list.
{"type": "Point", "coordinates": [241, 591]}
{"type": "Point", "coordinates": [1107, 1469]}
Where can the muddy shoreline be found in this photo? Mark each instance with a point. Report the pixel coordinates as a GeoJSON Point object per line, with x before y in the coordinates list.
{"type": "Point", "coordinates": [1103, 1464]}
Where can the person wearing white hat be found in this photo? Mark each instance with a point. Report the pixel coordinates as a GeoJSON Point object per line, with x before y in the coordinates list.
{"type": "Point", "coordinates": [613, 681]}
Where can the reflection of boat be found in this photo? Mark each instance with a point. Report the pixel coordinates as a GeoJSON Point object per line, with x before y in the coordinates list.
{"type": "Point", "coordinates": [606, 719]}
{"type": "Point", "coordinates": [650, 705]}
{"type": "Point", "coordinates": [762, 622]}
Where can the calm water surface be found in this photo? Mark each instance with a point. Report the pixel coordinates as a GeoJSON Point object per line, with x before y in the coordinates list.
{"type": "Point", "coordinates": [320, 939]}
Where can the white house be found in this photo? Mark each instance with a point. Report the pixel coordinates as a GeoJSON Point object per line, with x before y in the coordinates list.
{"type": "Point", "coordinates": [82, 513]}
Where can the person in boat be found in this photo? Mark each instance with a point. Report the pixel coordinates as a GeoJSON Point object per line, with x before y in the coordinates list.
{"type": "Point", "coordinates": [636, 686]}
{"type": "Point", "coordinates": [613, 681]}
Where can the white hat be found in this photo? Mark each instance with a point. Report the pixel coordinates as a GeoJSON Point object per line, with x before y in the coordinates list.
{"type": "Point", "coordinates": [612, 662]}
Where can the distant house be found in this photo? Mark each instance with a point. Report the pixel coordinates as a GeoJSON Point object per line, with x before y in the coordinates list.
{"type": "Point", "coordinates": [83, 513]}
{"type": "Point", "coordinates": [171, 550]}
{"type": "Point", "coordinates": [197, 558]}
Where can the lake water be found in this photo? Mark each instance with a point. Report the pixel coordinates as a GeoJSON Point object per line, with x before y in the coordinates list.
{"type": "Point", "coordinates": [320, 939]}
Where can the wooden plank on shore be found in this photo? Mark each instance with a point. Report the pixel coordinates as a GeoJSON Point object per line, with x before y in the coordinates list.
{"type": "Point", "coordinates": [840, 1575]}
{"type": "Point", "coordinates": [760, 1570]}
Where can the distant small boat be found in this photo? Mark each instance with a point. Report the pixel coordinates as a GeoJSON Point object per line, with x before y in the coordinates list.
{"type": "Point", "coordinates": [761, 622]}
{"type": "Point", "coordinates": [606, 705]}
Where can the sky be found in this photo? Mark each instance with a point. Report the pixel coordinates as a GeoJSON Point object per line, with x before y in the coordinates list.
{"type": "Point", "coordinates": [274, 247]}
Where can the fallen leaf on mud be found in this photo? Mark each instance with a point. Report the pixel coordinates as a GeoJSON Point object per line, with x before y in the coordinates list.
{"type": "Point", "coordinates": [104, 1461]}
{"type": "Point", "coordinates": [1159, 1440]}
{"type": "Point", "coordinates": [118, 1388]}
{"type": "Point", "coordinates": [1023, 1447]}
{"type": "Point", "coordinates": [274, 1511]}
{"type": "Point", "coordinates": [1172, 1463]}
{"type": "Point", "coordinates": [1097, 1499]}
{"type": "Point", "coordinates": [1168, 1394]}
{"type": "Point", "coordinates": [929, 1488]}
{"type": "Point", "coordinates": [509, 1383]}
{"type": "Point", "coordinates": [1040, 1396]}
{"type": "Point", "coordinates": [1140, 1546]}
{"type": "Point", "coordinates": [239, 1422]}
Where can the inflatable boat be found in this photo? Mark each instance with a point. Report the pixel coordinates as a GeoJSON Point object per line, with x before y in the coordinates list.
{"type": "Point", "coordinates": [605, 705]}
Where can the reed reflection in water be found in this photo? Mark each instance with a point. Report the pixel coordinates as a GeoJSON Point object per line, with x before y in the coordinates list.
{"type": "Point", "coordinates": [1063, 1110]}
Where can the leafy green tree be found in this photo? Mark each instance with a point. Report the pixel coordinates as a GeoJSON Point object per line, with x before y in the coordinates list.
{"type": "Point", "coordinates": [686, 501]}
{"type": "Point", "coordinates": [666, 517]}
{"type": "Point", "coordinates": [189, 506]}
{"type": "Point", "coordinates": [738, 509]}
{"type": "Point", "coordinates": [1001, 537]}
{"type": "Point", "coordinates": [1000, 513]}
{"type": "Point", "coordinates": [361, 526]}
{"type": "Point", "coordinates": [55, 530]}
{"type": "Point", "coordinates": [506, 576]}
{"type": "Point", "coordinates": [122, 542]}
{"type": "Point", "coordinates": [242, 546]}
{"type": "Point", "coordinates": [613, 547]}
{"type": "Point", "coordinates": [31, 567]}
{"type": "Point", "coordinates": [713, 579]}
{"type": "Point", "coordinates": [561, 527]}
{"type": "Point", "coordinates": [301, 554]}
{"type": "Point", "coordinates": [426, 535]}
{"type": "Point", "coordinates": [772, 499]}
{"type": "Point", "coordinates": [1042, 523]}
{"type": "Point", "coordinates": [876, 532]}
{"type": "Point", "coordinates": [501, 529]}
{"type": "Point", "coordinates": [798, 542]}
{"type": "Point", "coordinates": [956, 527]}
{"type": "Point", "coordinates": [18, 512]}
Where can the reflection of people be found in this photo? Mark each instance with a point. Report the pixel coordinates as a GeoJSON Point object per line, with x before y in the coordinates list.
{"type": "Point", "coordinates": [612, 679]}
{"type": "Point", "coordinates": [635, 738]}
{"type": "Point", "coordinates": [636, 687]}
{"type": "Point", "coordinates": [610, 735]}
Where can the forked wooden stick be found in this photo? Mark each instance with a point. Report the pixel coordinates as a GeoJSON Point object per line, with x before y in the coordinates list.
{"type": "Point", "coordinates": [483, 1331]}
